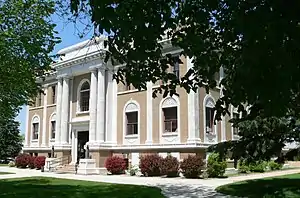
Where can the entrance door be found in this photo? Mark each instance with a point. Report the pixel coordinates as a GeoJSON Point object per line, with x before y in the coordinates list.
{"type": "Point", "coordinates": [83, 138]}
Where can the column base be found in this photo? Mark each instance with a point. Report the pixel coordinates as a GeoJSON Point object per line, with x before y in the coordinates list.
{"type": "Point", "coordinates": [194, 141]}
{"type": "Point", "coordinates": [148, 142]}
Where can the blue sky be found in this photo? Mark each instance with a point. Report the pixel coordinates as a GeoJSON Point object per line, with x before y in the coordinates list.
{"type": "Point", "coordinates": [69, 36]}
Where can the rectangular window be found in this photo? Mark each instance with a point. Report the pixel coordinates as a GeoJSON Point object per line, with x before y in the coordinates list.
{"type": "Point", "coordinates": [170, 120]}
{"type": "Point", "coordinates": [53, 94]}
{"type": "Point", "coordinates": [132, 123]}
{"type": "Point", "coordinates": [35, 134]}
{"type": "Point", "coordinates": [39, 100]}
{"type": "Point", "coordinates": [209, 119]}
{"type": "Point", "coordinates": [53, 125]}
{"type": "Point", "coordinates": [85, 100]}
{"type": "Point", "coordinates": [235, 129]}
{"type": "Point", "coordinates": [176, 70]}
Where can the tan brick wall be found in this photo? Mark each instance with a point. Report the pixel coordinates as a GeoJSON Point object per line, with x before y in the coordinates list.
{"type": "Point", "coordinates": [32, 113]}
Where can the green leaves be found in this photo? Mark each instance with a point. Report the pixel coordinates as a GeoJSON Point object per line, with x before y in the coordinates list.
{"type": "Point", "coordinates": [26, 40]}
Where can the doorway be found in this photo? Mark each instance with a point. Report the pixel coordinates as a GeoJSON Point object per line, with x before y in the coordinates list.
{"type": "Point", "coordinates": [83, 138]}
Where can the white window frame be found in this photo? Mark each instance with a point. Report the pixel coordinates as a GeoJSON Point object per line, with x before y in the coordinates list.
{"type": "Point", "coordinates": [52, 118]}
{"type": "Point", "coordinates": [210, 102]}
{"type": "Point", "coordinates": [78, 109]}
{"type": "Point", "coordinates": [131, 106]}
{"type": "Point", "coordinates": [169, 102]}
{"type": "Point", "coordinates": [35, 120]}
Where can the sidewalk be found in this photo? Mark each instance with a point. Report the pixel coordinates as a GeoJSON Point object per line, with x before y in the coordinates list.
{"type": "Point", "coordinates": [172, 187]}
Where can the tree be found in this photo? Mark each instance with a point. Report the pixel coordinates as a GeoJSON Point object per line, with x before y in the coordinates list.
{"type": "Point", "coordinates": [256, 43]}
{"type": "Point", "coordinates": [10, 139]}
{"type": "Point", "coordinates": [26, 40]}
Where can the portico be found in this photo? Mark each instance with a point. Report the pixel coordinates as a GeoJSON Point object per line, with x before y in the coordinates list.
{"type": "Point", "coordinates": [93, 103]}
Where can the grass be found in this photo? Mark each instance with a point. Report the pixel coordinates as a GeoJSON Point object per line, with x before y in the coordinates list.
{"type": "Point", "coordinates": [37, 187]}
{"type": "Point", "coordinates": [283, 186]}
{"type": "Point", "coordinates": [3, 164]}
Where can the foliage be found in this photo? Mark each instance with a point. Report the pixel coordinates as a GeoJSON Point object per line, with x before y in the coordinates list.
{"type": "Point", "coordinates": [216, 166]}
{"type": "Point", "coordinates": [38, 187]}
{"type": "Point", "coordinates": [260, 139]}
{"type": "Point", "coordinates": [192, 166]}
{"type": "Point", "coordinates": [274, 165]}
{"type": "Point", "coordinates": [10, 141]}
{"type": "Point", "coordinates": [259, 166]}
{"type": "Point", "coordinates": [115, 165]}
{"type": "Point", "coordinates": [31, 162]}
{"type": "Point", "coordinates": [22, 160]}
{"type": "Point", "coordinates": [150, 165]}
{"type": "Point", "coordinates": [170, 166]}
{"type": "Point", "coordinates": [243, 167]}
{"type": "Point", "coordinates": [213, 33]}
{"type": "Point", "coordinates": [11, 164]}
{"type": "Point", "coordinates": [26, 40]}
{"type": "Point", "coordinates": [39, 162]}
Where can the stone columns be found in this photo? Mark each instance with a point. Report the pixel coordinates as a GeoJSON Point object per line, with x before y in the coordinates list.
{"type": "Point", "coordinates": [65, 111]}
{"type": "Point", "coordinates": [193, 111]}
{"type": "Point", "coordinates": [100, 134]}
{"type": "Point", "coordinates": [44, 129]}
{"type": "Point", "coordinates": [93, 106]}
{"type": "Point", "coordinates": [111, 109]}
{"type": "Point", "coordinates": [58, 111]}
{"type": "Point", "coordinates": [149, 113]}
{"type": "Point", "coordinates": [28, 123]}
{"type": "Point", "coordinates": [223, 121]}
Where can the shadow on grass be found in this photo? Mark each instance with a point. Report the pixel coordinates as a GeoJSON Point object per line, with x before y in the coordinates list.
{"type": "Point", "coordinates": [5, 173]}
{"type": "Point", "coordinates": [269, 187]}
{"type": "Point", "coordinates": [61, 188]}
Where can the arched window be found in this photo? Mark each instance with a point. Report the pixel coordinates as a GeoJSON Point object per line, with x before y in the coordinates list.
{"type": "Point", "coordinates": [84, 96]}
{"type": "Point", "coordinates": [132, 118]}
{"type": "Point", "coordinates": [209, 105]}
{"type": "Point", "coordinates": [35, 127]}
{"type": "Point", "coordinates": [52, 126]}
{"type": "Point", "coordinates": [170, 115]}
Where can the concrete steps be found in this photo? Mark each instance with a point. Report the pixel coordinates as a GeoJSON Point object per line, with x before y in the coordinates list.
{"type": "Point", "coordinates": [68, 168]}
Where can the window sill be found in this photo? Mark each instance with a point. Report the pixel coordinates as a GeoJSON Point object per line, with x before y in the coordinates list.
{"type": "Point", "coordinates": [135, 136]}
{"type": "Point", "coordinates": [82, 112]}
{"type": "Point", "coordinates": [128, 91]}
{"type": "Point", "coordinates": [34, 141]}
{"type": "Point", "coordinates": [36, 108]}
{"type": "Point", "coordinates": [51, 105]}
{"type": "Point", "coordinates": [168, 134]}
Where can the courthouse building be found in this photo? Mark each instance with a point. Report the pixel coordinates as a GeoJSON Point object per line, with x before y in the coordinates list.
{"type": "Point", "coordinates": [83, 105]}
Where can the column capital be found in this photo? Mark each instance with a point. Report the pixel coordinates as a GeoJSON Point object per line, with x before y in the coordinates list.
{"type": "Point", "coordinates": [64, 76]}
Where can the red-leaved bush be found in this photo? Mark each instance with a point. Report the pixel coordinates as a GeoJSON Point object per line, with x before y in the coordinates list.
{"type": "Point", "coordinates": [192, 166]}
{"type": "Point", "coordinates": [170, 166]}
{"type": "Point", "coordinates": [39, 162]}
{"type": "Point", "coordinates": [115, 165]}
{"type": "Point", "coordinates": [22, 160]}
{"type": "Point", "coordinates": [150, 165]}
{"type": "Point", "coordinates": [31, 162]}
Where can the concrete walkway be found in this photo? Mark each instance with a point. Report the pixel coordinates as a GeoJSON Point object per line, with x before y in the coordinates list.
{"type": "Point", "coordinates": [171, 187]}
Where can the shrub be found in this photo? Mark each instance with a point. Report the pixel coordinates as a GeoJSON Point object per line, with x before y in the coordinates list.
{"type": "Point", "coordinates": [22, 160]}
{"type": "Point", "coordinates": [258, 167]}
{"type": "Point", "coordinates": [192, 166]}
{"type": "Point", "coordinates": [215, 166]}
{"type": "Point", "coordinates": [170, 166]}
{"type": "Point", "coordinates": [115, 165]}
{"type": "Point", "coordinates": [31, 162]}
{"type": "Point", "coordinates": [150, 165]}
{"type": "Point", "coordinates": [274, 165]}
{"type": "Point", "coordinates": [39, 162]}
{"type": "Point", "coordinates": [11, 164]}
{"type": "Point", "coordinates": [133, 170]}
{"type": "Point", "coordinates": [243, 167]}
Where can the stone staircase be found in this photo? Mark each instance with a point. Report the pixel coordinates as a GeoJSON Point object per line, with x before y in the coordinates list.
{"type": "Point", "coordinates": [65, 169]}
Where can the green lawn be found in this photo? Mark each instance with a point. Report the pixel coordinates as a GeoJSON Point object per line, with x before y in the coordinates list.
{"type": "Point", "coordinates": [42, 187]}
{"type": "Point", "coordinates": [283, 186]}
{"type": "Point", "coordinates": [3, 164]}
